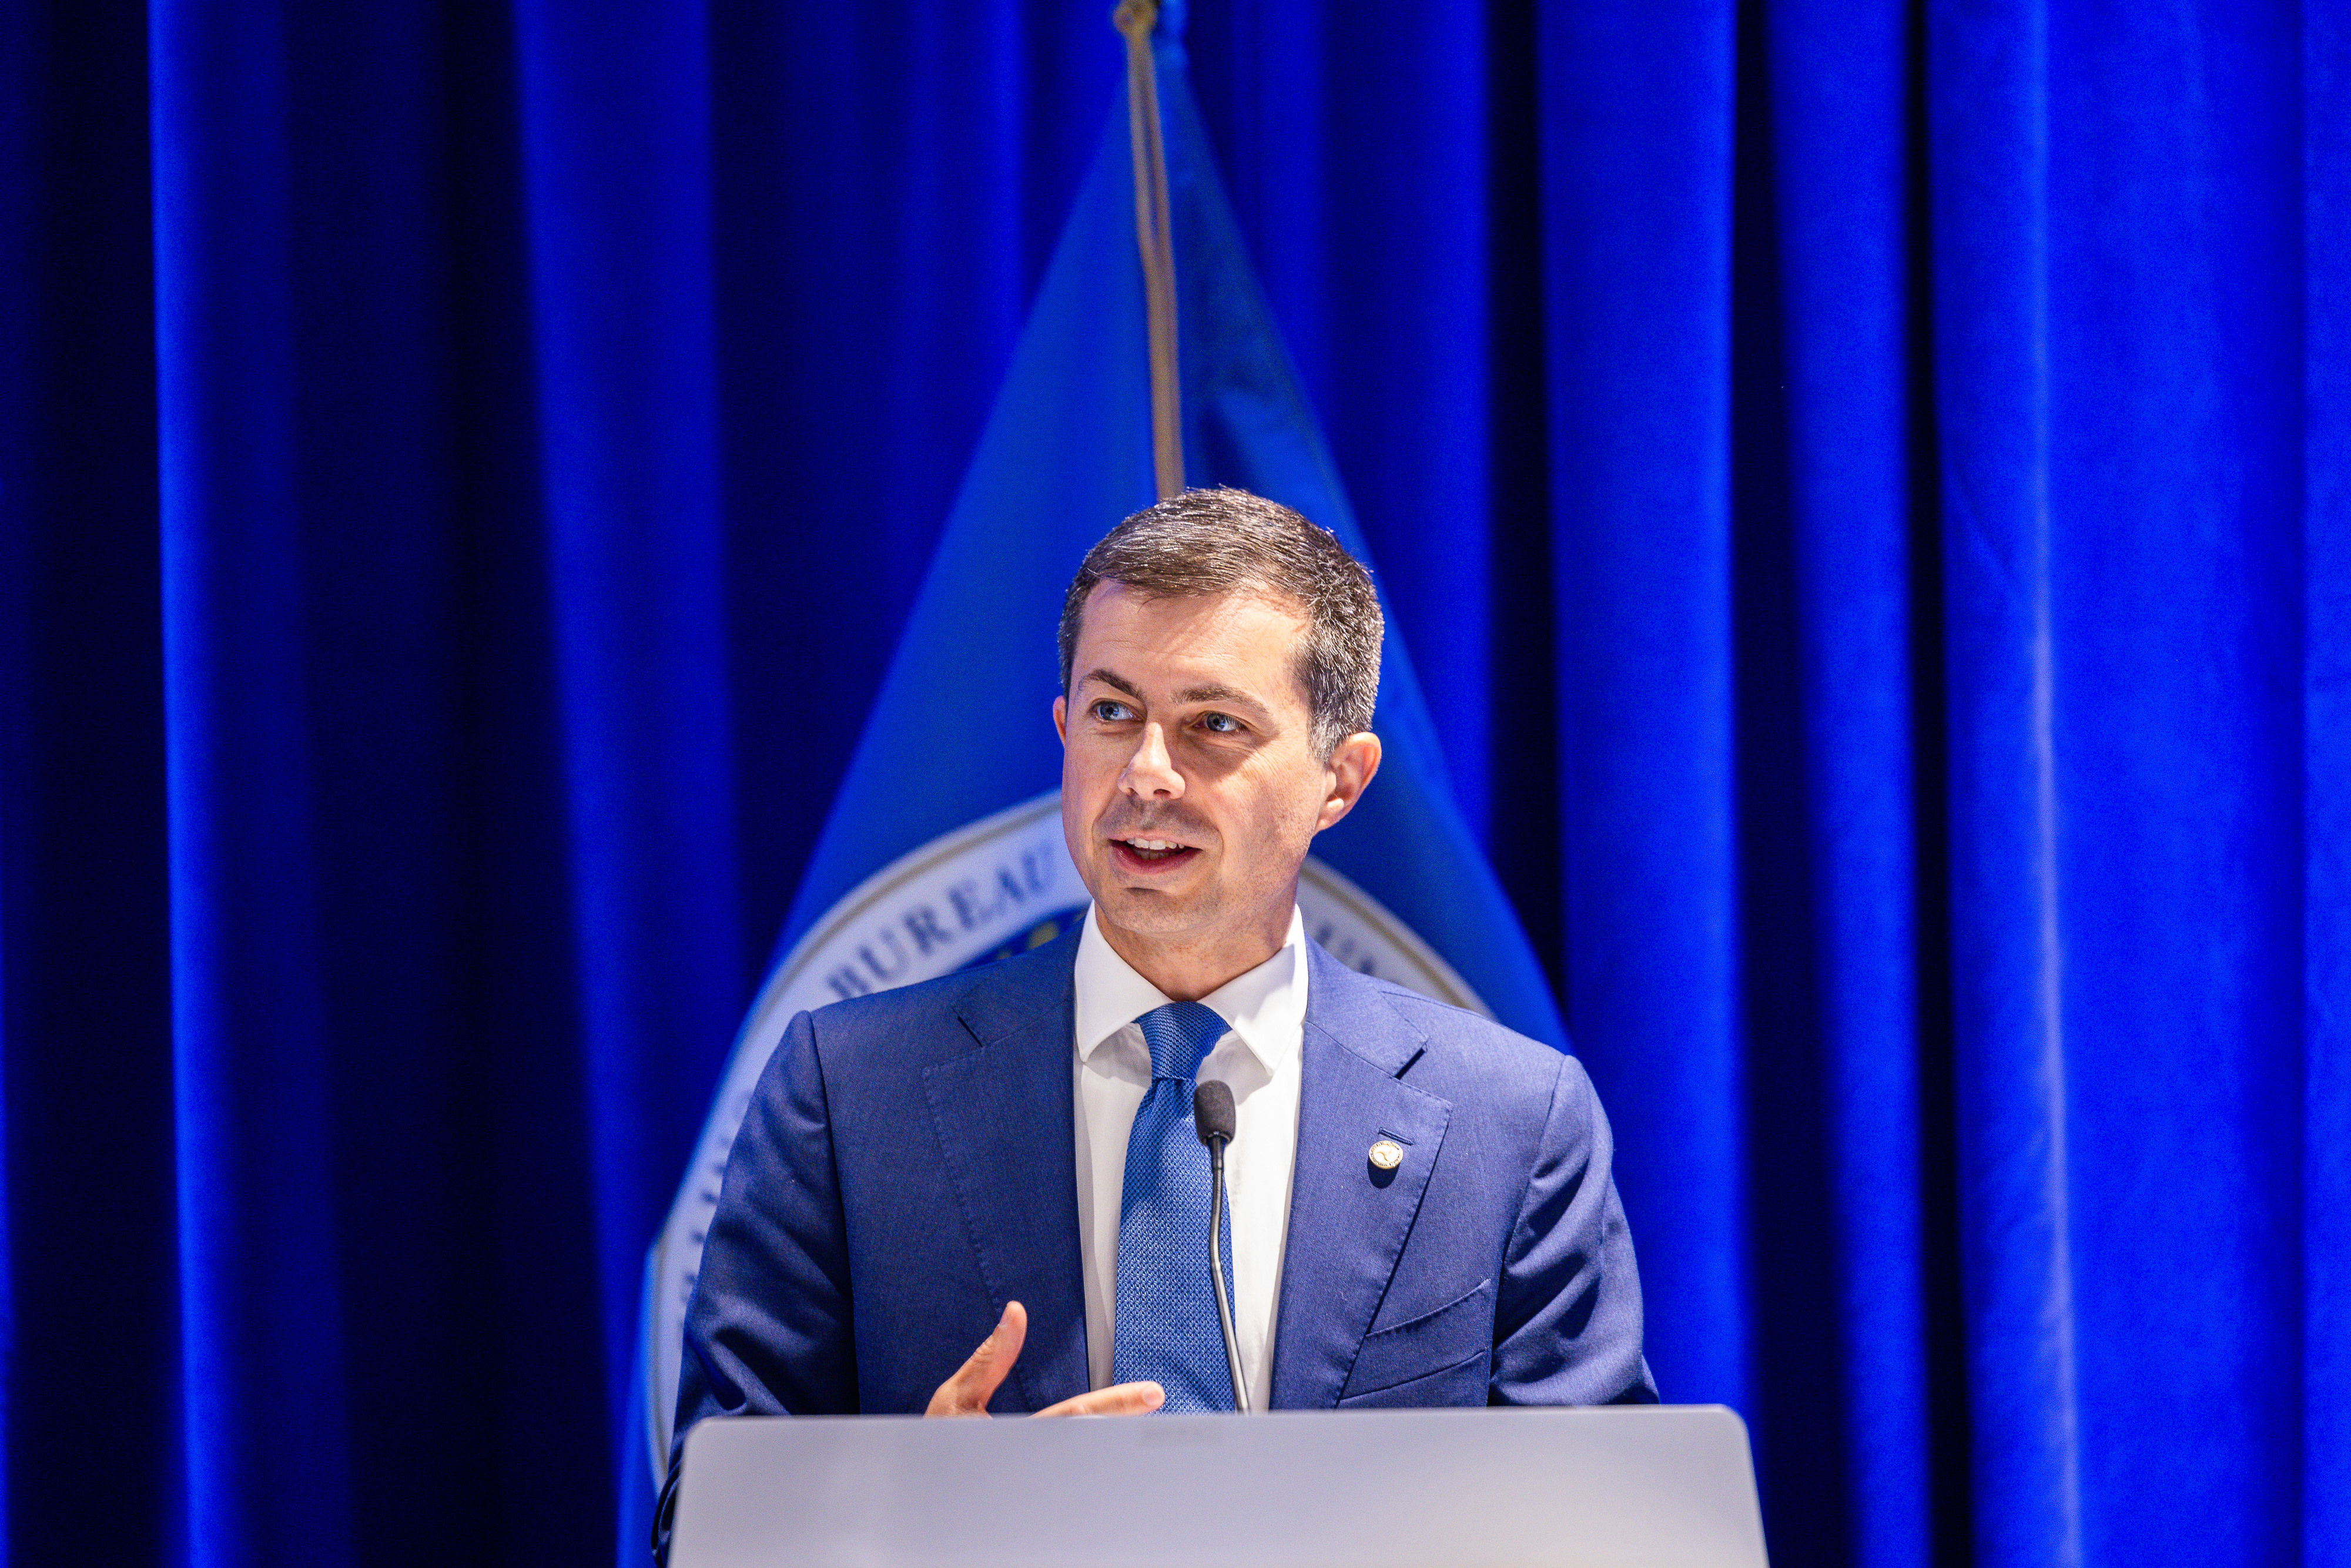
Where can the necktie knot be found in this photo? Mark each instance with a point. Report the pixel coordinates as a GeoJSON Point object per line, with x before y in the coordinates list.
{"type": "Point", "coordinates": [1179, 1036]}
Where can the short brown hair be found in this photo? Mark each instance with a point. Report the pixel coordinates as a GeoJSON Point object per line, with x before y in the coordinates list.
{"type": "Point", "coordinates": [1221, 540]}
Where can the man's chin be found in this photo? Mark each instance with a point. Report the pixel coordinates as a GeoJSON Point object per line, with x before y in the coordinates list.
{"type": "Point", "coordinates": [1153, 911]}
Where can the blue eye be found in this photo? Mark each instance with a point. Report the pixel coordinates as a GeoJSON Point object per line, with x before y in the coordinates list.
{"type": "Point", "coordinates": [1109, 712]}
{"type": "Point", "coordinates": [1221, 723]}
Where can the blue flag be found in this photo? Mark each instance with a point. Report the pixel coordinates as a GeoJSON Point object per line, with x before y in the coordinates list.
{"type": "Point", "coordinates": [945, 847]}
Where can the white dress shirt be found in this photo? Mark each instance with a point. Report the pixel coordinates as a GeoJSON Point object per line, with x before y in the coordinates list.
{"type": "Point", "coordinates": [1264, 1016]}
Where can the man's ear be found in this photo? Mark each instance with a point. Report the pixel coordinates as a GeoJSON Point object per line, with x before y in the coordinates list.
{"type": "Point", "coordinates": [1347, 775]}
{"type": "Point", "coordinates": [1062, 718]}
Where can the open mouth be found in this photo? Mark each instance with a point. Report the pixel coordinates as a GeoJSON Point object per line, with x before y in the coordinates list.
{"type": "Point", "coordinates": [1145, 855]}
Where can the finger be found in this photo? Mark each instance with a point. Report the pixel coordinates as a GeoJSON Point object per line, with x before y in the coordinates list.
{"type": "Point", "coordinates": [975, 1382]}
{"type": "Point", "coordinates": [1120, 1399]}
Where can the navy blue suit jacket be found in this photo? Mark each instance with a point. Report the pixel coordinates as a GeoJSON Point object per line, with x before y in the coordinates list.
{"type": "Point", "coordinates": [907, 1166]}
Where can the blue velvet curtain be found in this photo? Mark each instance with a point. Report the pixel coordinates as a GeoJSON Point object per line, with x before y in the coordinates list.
{"type": "Point", "coordinates": [1867, 488]}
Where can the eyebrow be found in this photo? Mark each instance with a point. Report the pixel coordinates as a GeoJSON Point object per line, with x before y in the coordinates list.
{"type": "Point", "coordinates": [1114, 683]}
{"type": "Point", "coordinates": [1219, 695]}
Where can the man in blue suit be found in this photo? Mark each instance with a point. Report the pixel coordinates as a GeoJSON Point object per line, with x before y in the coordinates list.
{"type": "Point", "coordinates": [1421, 1206]}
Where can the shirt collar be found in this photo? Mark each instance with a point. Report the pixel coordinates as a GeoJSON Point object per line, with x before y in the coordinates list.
{"type": "Point", "coordinates": [1266, 1007]}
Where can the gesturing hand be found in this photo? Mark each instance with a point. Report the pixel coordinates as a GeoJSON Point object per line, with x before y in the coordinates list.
{"type": "Point", "coordinates": [975, 1382]}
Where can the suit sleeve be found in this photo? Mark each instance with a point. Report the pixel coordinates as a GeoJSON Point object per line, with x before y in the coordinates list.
{"type": "Point", "coordinates": [769, 1332]}
{"type": "Point", "coordinates": [1567, 1324]}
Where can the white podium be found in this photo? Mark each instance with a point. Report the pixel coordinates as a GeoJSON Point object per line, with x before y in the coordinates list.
{"type": "Point", "coordinates": [1655, 1486]}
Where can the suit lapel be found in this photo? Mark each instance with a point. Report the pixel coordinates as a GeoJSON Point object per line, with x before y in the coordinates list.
{"type": "Point", "coordinates": [1004, 1116]}
{"type": "Point", "coordinates": [1348, 1220]}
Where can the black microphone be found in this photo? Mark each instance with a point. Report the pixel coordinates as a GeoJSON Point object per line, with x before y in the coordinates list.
{"type": "Point", "coordinates": [1212, 1118]}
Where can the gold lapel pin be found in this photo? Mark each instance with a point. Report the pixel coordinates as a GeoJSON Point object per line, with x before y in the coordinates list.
{"type": "Point", "coordinates": [1388, 1154]}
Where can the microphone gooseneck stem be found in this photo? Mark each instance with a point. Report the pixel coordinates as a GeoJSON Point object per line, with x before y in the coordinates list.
{"type": "Point", "coordinates": [1217, 1272]}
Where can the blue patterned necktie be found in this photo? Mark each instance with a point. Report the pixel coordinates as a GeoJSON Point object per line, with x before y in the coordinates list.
{"type": "Point", "coordinates": [1164, 1327]}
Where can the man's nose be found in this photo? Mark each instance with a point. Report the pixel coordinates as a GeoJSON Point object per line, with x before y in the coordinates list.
{"type": "Point", "coordinates": [1149, 772]}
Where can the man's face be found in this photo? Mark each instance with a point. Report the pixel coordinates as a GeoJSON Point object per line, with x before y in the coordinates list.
{"type": "Point", "coordinates": [1190, 789]}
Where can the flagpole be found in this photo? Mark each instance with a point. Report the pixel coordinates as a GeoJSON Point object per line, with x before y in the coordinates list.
{"type": "Point", "coordinates": [1135, 19]}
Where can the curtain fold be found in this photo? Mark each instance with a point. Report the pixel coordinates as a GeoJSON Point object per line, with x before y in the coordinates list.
{"type": "Point", "coordinates": [615, 117]}
{"type": "Point", "coordinates": [1865, 485]}
{"type": "Point", "coordinates": [1638, 400]}
{"type": "Point", "coordinates": [1828, 479]}
{"type": "Point", "coordinates": [263, 1348]}
{"type": "Point", "coordinates": [1989, 125]}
